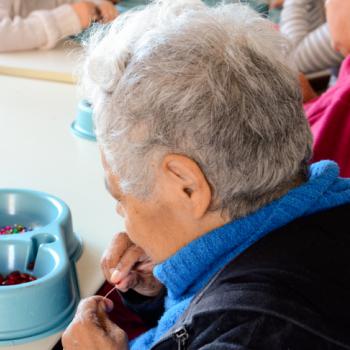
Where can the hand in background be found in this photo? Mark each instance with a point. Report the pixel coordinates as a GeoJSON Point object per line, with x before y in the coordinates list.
{"type": "Point", "coordinates": [87, 13]}
{"type": "Point", "coordinates": [276, 4]}
{"type": "Point", "coordinates": [338, 13]}
{"type": "Point", "coordinates": [128, 267]}
{"type": "Point", "coordinates": [108, 11]}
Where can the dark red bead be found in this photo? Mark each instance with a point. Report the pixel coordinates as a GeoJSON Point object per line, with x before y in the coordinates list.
{"type": "Point", "coordinates": [16, 277]}
{"type": "Point", "coordinates": [14, 274]}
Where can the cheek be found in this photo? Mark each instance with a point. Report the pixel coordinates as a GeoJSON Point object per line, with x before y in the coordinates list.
{"type": "Point", "coordinates": [129, 218]}
{"type": "Point", "coordinates": [130, 221]}
{"type": "Point", "coordinates": [135, 226]}
{"type": "Point", "coordinates": [119, 210]}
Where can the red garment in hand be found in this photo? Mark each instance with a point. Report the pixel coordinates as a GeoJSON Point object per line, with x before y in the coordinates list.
{"type": "Point", "coordinates": [329, 117]}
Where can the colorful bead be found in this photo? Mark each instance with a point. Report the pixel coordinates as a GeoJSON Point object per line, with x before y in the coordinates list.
{"type": "Point", "coordinates": [7, 230]}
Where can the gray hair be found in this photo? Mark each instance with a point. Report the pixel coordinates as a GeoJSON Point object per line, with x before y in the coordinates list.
{"type": "Point", "coordinates": [213, 84]}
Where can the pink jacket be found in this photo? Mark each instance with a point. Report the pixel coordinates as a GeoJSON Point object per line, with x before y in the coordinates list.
{"type": "Point", "coordinates": [329, 117]}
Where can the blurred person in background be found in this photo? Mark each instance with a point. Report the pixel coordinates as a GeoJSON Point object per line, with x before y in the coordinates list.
{"type": "Point", "coordinates": [41, 24]}
{"type": "Point", "coordinates": [304, 23]}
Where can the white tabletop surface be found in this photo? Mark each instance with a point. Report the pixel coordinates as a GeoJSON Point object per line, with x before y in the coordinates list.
{"type": "Point", "coordinates": [57, 64]}
{"type": "Point", "coordinates": [38, 151]}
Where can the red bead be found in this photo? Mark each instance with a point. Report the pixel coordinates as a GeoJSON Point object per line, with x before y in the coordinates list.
{"type": "Point", "coordinates": [16, 277]}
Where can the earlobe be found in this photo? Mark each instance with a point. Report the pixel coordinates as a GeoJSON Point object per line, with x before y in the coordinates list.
{"type": "Point", "coordinates": [188, 178]}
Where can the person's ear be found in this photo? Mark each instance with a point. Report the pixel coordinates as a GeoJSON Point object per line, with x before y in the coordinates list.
{"type": "Point", "coordinates": [188, 180]}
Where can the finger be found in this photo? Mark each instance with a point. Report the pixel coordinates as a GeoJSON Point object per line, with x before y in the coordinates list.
{"type": "Point", "coordinates": [112, 11]}
{"type": "Point", "coordinates": [129, 282]}
{"type": "Point", "coordinates": [132, 256]}
{"type": "Point", "coordinates": [111, 257]}
{"type": "Point", "coordinates": [148, 284]}
{"type": "Point", "coordinates": [92, 10]}
{"type": "Point", "coordinates": [103, 13]}
{"type": "Point", "coordinates": [113, 14]}
{"type": "Point", "coordinates": [108, 15]}
{"type": "Point", "coordinates": [88, 307]}
{"type": "Point", "coordinates": [145, 266]}
{"type": "Point", "coordinates": [101, 317]}
{"type": "Point", "coordinates": [98, 14]}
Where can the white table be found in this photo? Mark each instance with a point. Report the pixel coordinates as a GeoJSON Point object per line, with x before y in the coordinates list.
{"type": "Point", "coordinates": [57, 64]}
{"type": "Point", "coordinates": [38, 151]}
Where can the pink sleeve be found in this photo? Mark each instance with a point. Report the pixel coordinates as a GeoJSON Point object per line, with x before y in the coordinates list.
{"type": "Point", "coordinates": [329, 118]}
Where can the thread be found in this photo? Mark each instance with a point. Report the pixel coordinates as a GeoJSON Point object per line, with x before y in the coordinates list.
{"type": "Point", "coordinates": [110, 292]}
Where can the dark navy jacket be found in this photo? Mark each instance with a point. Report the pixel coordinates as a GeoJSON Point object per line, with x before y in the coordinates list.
{"type": "Point", "coordinates": [289, 291]}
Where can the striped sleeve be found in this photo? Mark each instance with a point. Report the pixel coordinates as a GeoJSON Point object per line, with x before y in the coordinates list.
{"type": "Point", "coordinates": [303, 23]}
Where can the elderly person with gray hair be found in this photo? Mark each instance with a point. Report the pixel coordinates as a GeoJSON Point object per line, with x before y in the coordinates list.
{"type": "Point", "coordinates": [232, 241]}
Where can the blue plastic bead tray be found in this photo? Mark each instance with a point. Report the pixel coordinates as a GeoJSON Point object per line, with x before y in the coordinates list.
{"type": "Point", "coordinates": [45, 306]}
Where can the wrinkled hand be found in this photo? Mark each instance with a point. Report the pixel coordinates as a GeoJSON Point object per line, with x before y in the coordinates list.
{"type": "Point", "coordinates": [86, 11]}
{"type": "Point", "coordinates": [108, 11]}
{"type": "Point", "coordinates": [338, 13]}
{"type": "Point", "coordinates": [92, 329]}
{"type": "Point", "coordinates": [128, 267]}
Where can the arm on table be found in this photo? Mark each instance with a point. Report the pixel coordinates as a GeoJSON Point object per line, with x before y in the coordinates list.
{"type": "Point", "coordinates": [43, 28]}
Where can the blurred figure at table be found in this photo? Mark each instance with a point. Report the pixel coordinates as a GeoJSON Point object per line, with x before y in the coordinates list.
{"type": "Point", "coordinates": [304, 23]}
{"type": "Point", "coordinates": [329, 114]}
{"type": "Point", "coordinates": [41, 24]}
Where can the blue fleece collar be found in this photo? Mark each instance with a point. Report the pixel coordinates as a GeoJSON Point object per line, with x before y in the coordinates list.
{"type": "Point", "coordinates": [189, 269]}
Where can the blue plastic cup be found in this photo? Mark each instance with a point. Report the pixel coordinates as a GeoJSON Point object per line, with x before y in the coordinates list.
{"type": "Point", "coordinates": [83, 125]}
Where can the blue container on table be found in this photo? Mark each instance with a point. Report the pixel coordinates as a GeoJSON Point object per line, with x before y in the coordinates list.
{"type": "Point", "coordinates": [39, 308]}
{"type": "Point", "coordinates": [83, 125]}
